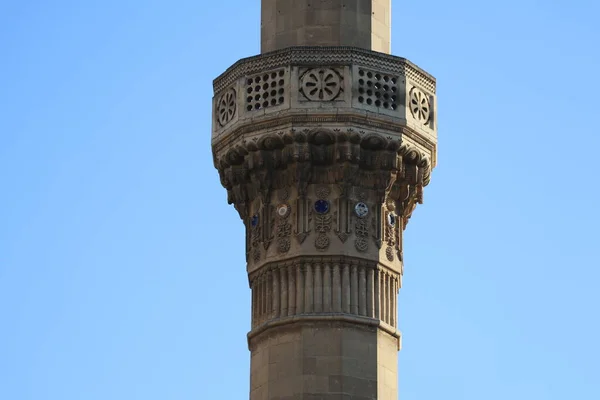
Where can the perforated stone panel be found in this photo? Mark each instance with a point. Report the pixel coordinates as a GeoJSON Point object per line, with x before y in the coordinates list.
{"type": "Point", "coordinates": [265, 90]}
{"type": "Point", "coordinates": [377, 89]}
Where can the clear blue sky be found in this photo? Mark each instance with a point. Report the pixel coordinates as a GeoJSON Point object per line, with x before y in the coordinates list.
{"type": "Point", "coordinates": [117, 244]}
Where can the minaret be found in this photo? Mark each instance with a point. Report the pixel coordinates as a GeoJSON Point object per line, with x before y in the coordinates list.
{"type": "Point", "coordinates": [324, 143]}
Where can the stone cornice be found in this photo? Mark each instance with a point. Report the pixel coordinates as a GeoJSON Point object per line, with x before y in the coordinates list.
{"type": "Point", "coordinates": [314, 56]}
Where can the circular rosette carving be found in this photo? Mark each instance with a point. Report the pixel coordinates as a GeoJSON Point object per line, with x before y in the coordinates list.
{"type": "Point", "coordinates": [226, 107]}
{"type": "Point", "coordinates": [321, 84]}
{"type": "Point", "coordinates": [419, 105]}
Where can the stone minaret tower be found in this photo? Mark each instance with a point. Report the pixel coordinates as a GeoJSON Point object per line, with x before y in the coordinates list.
{"type": "Point", "coordinates": [324, 143]}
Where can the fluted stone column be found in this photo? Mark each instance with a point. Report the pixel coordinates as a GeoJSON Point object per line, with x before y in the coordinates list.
{"type": "Point", "coordinates": [324, 144]}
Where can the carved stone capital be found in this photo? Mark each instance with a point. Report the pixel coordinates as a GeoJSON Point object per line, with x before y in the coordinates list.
{"type": "Point", "coordinates": [395, 170]}
{"type": "Point", "coordinates": [324, 152]}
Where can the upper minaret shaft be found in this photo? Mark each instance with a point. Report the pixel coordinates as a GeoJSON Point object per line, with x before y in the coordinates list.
{"type": "Point", "coordinates": [357, 23]}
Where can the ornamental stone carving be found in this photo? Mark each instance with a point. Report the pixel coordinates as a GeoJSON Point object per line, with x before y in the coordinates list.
{"type": "Point", "coordinates": [226, 107]}
{"type": "Point", "coordinates": [362, 235]}
{"type": "Point", "coordinates": [321, 84]}
{"type": "Point", "coordinates": [322, 192]}
{"type": "Point", "coordinates": [419, 105]}
{"type": "Point", "coordinates": [322, 227]}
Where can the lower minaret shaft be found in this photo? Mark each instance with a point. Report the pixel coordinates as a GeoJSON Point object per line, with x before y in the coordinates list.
{"type": "Point", "coordinates": [332, 341]}
{"type": "Point", "coordinates": [324, 357]}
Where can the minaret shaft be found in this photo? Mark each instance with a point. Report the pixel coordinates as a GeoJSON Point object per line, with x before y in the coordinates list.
{"type": "Point", "coordinates": [324, 147]}
{"type": "Point", "coordinates": [356, 23]}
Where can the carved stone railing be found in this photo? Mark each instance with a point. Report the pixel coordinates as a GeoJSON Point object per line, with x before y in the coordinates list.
{"type": "Point", "coordinates": [323, 84]}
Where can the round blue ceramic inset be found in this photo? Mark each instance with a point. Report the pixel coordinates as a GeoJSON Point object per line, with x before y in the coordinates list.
{"type": "Point", "coordinates": [322, 206]}
{"type": "Point", "coordinates": [361, 209]}
{"type": "Point", "coordinates": [391, 219]}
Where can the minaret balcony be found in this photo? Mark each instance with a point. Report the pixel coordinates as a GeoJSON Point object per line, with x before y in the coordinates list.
{"type": "Point", "coordinates": [320, 86]}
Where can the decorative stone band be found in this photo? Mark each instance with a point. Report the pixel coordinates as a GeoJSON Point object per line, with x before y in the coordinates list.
{"type": "Point", "coordinates": [319, 56]}
{"type": "Point", "coordinates": [342, 286]}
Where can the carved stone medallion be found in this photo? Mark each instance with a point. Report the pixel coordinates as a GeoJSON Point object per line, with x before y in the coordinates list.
{"type": "Point", "coordinates": [226, 107]}
{"type": "Point", "coordinates": [419, 105]}
{"type": "Point", "coordinates": [320, 84]}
